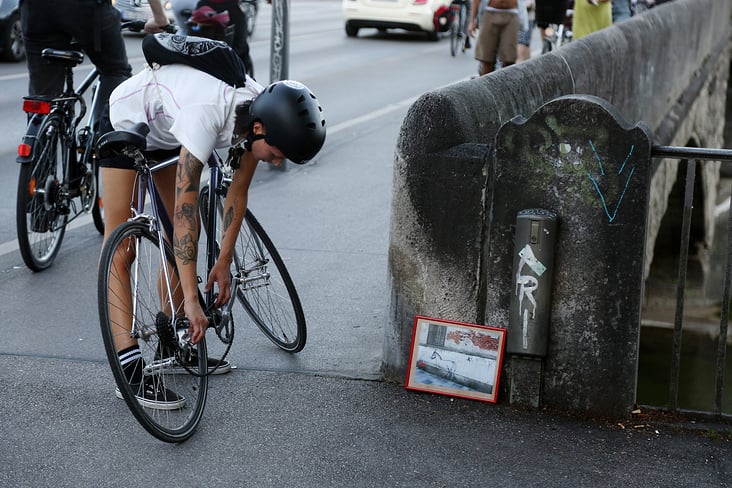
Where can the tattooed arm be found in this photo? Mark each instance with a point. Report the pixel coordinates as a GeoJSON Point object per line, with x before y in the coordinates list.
{"type": "Point", "coordinates": [185, 238]}
{"type": "Point", "coordinates": [235, 207]}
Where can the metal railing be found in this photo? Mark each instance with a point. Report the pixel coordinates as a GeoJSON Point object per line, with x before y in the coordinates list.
{"type": "Point", "coordinates": [694, 156]}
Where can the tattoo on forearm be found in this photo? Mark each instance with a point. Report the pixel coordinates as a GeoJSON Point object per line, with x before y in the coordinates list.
{"type": "Point", "coordinates": [186, 216]}
{"type": "Point", "coordinates": [189, 174]}
{"type": "Point", "coordinates": [186, 248]}
{"type": "Point", "coordinates": [228, 218]}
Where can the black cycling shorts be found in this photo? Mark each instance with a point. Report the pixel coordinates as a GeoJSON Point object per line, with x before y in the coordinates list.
{"type": "Point", "coordinates": [121, 161]}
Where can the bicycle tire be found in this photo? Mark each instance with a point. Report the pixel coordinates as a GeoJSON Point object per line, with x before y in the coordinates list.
{"type": "Point", "coordinates": [454, 37]}
{"type": "Point", "coordinates": [274, 306]}
{"type": "Point", "coordinates": [268, 295]}
{"type": "Point", "coordinates": [155, 332]}
{"type": "Point", "coordinates": [98, 208]}
{"type": "Point", "coordinates": [546, 46]}
{"type": "Point", "coordinates": [464, 20]}
{"type": "Point", "coordinates": [40, 214]}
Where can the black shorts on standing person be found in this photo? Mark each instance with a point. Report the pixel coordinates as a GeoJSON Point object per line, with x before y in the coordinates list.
{"type": "Point", "coordinates": [239, 20]}
{"type": "Point", "coordinates": [550, 12]}
{"type": "Point", "coordinates": [93, 24]}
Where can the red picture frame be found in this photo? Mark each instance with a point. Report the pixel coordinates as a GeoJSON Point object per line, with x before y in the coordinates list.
{"type": "Point", "coordinates": [456, 359]}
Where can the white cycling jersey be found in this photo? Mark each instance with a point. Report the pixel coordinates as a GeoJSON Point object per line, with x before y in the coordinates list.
{"type": "Point", "coordinates": [182, 106]}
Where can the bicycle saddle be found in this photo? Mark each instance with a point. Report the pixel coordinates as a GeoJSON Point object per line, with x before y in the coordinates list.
{"type": "Point", "coordinates": [116, 141]}
{"type": "Point", "coordinates": [70, 58]}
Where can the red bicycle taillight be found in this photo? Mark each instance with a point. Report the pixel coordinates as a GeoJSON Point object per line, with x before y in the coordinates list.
{"type": "Point", "coordinates": [36, 106]}
{"type": "Point", "coordinates": [24, 150]}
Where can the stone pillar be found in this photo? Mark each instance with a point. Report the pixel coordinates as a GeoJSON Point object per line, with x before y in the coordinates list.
{"type": "Point", "coordinates": [575, 157]}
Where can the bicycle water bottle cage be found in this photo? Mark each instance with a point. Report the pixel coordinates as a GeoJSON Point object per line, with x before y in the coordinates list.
{"type": "Point", "coordinates": [68, 58]}
{"type": "Point", "coordinates": [119, 141]}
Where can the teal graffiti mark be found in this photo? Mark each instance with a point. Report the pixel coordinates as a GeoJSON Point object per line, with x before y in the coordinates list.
{"type": "Point", "coordinates": [611, 217]}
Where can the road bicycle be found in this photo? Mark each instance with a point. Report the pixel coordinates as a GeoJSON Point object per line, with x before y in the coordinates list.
{"type": "Point", "coordinates": [59, 173]}
{"type": "Point", "coordinates": [459, 26]}
{"type": "Point", "coordinates": [152, 315]}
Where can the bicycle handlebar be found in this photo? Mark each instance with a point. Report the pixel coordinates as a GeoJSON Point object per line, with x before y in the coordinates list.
{"type": "Point", "coordinates": [139, 26]}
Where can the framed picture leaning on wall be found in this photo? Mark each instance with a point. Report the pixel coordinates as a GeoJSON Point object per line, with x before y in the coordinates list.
{"type": "Point", "coordinates": [455, 359]}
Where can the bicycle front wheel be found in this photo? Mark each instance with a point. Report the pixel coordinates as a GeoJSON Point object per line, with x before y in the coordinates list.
{"type": "Point", "coordinates": [264, 286]}
{"type": "Point", "coordinates": [42, 208]}
{"type": "Point", "coordinates": [454, 38]}
{"type": "Point", "coordinates": [140, 302]}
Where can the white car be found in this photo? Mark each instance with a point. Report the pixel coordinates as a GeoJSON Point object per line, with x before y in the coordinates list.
{"type": "Point", "coordinates": [430, 16]}
{"type": "Point", "coordinates": [140, 10]}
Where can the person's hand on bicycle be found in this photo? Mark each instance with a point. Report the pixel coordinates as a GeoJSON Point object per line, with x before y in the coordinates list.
{"type": "Point", "coordinates": [197, 319]}
{"type": "Point", "coordinates": [220, 276]}
{"type": "Point", "coordinates": [159, 20]}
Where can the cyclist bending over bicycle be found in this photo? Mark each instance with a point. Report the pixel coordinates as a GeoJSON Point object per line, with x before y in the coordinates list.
{"type": "Point", "coordinates": [190, 113]}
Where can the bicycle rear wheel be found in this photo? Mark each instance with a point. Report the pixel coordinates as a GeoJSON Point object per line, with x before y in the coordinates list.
{"type": "Point", "coordinates": [266, 290]}
{"type": "Point", "coordinates": [42, 208]}
{"type": "Point", "coordinates": [135, 290]}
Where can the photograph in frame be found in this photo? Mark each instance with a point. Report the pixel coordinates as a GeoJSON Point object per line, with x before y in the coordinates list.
{"type": "Point", "coordinates": [455, 359]}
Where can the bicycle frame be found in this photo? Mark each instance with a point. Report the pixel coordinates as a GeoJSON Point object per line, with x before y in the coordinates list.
{"type": "Point", "coordinates": [160, 222]}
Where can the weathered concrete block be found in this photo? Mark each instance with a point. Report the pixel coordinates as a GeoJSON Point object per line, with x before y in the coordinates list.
{"type": "Point", "coordinates": [577, 158]}
{"type": "Point", "coordinates": [667, 67]}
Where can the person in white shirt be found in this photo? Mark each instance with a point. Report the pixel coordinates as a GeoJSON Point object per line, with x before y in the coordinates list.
{"type": "Point", "coordinates": [190, 113]}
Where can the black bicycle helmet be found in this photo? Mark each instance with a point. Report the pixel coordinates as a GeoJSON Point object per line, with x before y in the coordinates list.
{"type": "Point", "coordinates": [292, 119]}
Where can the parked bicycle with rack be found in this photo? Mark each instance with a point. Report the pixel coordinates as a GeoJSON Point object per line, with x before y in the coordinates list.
{"type": "Point", "coordinates": [58, 180]}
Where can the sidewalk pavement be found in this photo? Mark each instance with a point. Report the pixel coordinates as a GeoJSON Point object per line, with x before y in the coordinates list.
{"type": "Point", "coordinates": [321, 418]}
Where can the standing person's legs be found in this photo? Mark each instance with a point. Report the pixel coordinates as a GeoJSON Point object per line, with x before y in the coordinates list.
{"type": "Point", "coordinates": [524, 43]}
{"type": "Point", "coordinates": [40, 31]}
{"type": "Point", "coordinates": [507, 49]}
{"type": "Point", "coordinates": [118, 188]}
{"type": "Point", "coordinates": [103, 44]}
{"type": "Point", "coordinates": [486, 48]}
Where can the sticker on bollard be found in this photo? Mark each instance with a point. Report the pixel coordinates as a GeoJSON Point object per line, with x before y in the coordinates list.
{"type": "Point", "coordinates": [528, 321]}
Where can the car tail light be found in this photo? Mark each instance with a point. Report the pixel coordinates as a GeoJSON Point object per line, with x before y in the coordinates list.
{"type": "Point", "coordinates": [36, 106]}
{"type": "Point", "coordinates": [419, 2]}
{"type": "Point", "coordinates": [24, 150]}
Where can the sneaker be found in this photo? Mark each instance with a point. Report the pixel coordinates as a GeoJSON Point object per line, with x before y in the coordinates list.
{"type": "Point", "coordinates": [467, 42]}
{"type": "Point", "coordinates": [222, 368]}
{"type": "Point", "coordinates": [152, 394]}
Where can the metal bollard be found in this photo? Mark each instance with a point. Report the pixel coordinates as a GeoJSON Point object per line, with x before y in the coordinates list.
{"type": "Point", "coordinates": [533, 269]}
